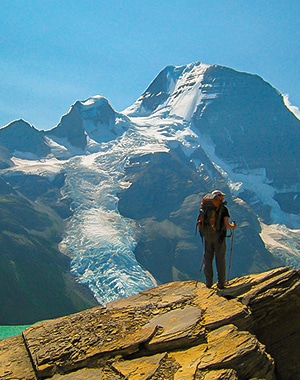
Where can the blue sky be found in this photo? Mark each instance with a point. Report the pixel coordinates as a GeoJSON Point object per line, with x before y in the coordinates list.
{"type": "Point", "coordinates": [55, 52]}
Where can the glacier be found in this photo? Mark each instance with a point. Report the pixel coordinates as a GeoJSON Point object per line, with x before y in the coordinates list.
{"type": "Point", "coordinates": [98, 239]}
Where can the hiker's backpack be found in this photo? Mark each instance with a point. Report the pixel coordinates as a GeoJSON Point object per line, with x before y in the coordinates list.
{"type": "Point", "coordinates": [209, 218]}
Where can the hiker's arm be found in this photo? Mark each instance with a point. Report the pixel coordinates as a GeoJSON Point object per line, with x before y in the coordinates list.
{"type": "Point", "coordinates": [228, 225]}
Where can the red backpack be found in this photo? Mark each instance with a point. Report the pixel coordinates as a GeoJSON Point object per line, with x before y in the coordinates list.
{"type": "Point", "coordinates": [209, 218]}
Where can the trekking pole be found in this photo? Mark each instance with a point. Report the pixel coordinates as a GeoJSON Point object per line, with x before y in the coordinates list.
{"type": "Point", "coordinates": [201, 266]}
{"type": "Point", "coordinates": [230, 256]}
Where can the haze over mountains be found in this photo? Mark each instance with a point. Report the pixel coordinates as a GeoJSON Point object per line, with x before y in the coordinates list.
{"type": "Point", "coordinates": [119, 192]}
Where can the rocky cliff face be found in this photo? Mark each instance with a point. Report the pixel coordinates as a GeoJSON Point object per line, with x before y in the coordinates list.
{"type": "Point", "coordinates": [179, 330]}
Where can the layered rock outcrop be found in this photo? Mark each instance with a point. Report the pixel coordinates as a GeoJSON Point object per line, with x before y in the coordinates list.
{"type": "Point", "coordinates": [179, 330]}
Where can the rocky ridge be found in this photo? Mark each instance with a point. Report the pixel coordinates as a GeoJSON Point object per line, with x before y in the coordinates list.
{"type": "Point", "coordinates": [179, 330]}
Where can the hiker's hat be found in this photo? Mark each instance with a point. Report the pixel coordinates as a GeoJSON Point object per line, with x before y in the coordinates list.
{"type": "Point", "coordinates": [215, 193]}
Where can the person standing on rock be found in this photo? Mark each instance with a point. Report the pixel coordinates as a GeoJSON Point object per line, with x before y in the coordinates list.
{"type": "Point", "coordinates": [213, 233]}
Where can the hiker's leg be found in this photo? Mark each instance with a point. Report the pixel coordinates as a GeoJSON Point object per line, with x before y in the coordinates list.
{"type": "Point", "coordinates": [221, 262]}
{"type": "Point", "coordinates": [208, 262]}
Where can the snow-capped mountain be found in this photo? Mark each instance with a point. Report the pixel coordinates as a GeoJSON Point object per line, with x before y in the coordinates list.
{"type": "Point", "coordinates": [134, 179]}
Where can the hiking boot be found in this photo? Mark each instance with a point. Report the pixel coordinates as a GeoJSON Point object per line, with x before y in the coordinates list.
{"type": "Point", "coordinates": [220, 286]}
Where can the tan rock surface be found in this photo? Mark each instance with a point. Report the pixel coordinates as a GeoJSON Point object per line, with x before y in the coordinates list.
{"type": "Point", "coordinates": [174, 331]}
{"type": "Point", "coordinates": [14, 360]}
{"type": "Point", "coordinates": [141, 368]}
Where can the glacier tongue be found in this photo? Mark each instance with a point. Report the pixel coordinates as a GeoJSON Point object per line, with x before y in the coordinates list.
{"type": "Point", "coordinates": [98, 239]}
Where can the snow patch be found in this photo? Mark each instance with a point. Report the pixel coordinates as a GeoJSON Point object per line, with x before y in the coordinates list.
{"type": "Point", "coordinates": [254, 181]}
{"type": "Point", "coordinates": [45, 167]}
{"type": "Point", "coordinates": [282, 242]}
{"type": "Point", "coordinates": [295, 110]}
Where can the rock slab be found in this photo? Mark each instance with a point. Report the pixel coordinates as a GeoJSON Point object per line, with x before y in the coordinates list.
{"type": "Point", "coordinates": [179, 330]}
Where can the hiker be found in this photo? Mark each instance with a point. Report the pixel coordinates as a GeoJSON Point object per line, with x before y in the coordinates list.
{"type": "Point", "coordinates": [215, 243]}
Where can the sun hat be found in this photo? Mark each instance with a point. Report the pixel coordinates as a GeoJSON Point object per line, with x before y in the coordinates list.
{"type": "Point", "coordinates": [218, 192]}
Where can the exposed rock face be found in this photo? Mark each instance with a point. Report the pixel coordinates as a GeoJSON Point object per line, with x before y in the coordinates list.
{"type": "Point", "coordinates": [179, 330]}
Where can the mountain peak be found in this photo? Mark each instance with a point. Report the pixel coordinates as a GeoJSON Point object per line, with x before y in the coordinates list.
{"type": "Point", "coordinates": [20, 124]}
{"type": "Point", "coordinates": [168, 89]}
{"type": "Point", "coordinates": [23, 140]}
{"type": "Point", "coordinates": [100, 121]}
{"type": "Point", "coordinates": [92, 119]}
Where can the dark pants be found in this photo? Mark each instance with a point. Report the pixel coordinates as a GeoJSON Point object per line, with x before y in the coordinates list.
{"type": "Point", "coordinates": [213, 247]}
